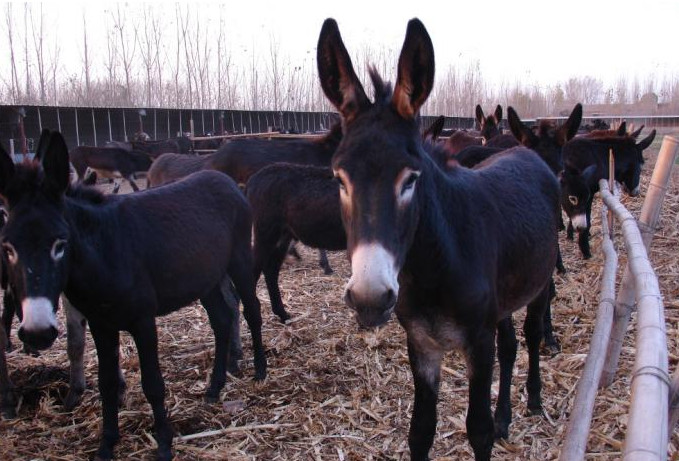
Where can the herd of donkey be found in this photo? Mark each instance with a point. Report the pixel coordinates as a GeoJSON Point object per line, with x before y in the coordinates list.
{"type": "Point", "coordinates": [452, 235]}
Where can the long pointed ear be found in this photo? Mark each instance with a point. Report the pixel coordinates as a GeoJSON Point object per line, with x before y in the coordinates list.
{"type": "Point", "coordinates": [434, 131]}
{"type": "Point", "coordinates": [42, 144]}
{"type": "Point", "coordinates": [569, 129]}
{"type": "Point", "coordinates": [498, 114]}
{"type": "Point", "coordinates": [588, 174]}
{"type": "Point", "coordinates": [635, 134]}
{"type": "Point", "coordinates": [55, 163]}
{"type": "Point", "coordinates": [520, 131]}
{"type": "Point", "coordinates": [622, 129]}
{"type": "Point", "coordinates": [415, 71]}
{"type": "Point", "coordinates": [480, 116]}
{"type": "Point", "coordinates": [338, 78]}
{"type": "Point", "coordinates": [6, 170]}
{"type": "Point", "coordinates": [647, 141]}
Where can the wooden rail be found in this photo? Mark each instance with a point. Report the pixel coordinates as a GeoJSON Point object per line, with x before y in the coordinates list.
{"type": "Point", "coordinates": [650, 419]}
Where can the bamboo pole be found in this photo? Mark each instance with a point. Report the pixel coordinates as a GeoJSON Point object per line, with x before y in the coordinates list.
{"type": "Point", "coordinates": [646, 437]}
{"type": "Point", "coordinates": [611, 185]}
{"type": "Point", "coordinates": [580, 420]}
{"type": "Point", "coordinates": [648, 220]}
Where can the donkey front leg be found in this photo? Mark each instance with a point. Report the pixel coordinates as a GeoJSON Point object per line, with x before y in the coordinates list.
{"type": "Point", "coordinates": [107, 342]}
{"type": "Point", "coordinates": [533, 332]}
{"type": "Point", "coordinates": [146, 339]}
{"type": "Point", "coordinates": [7, 399]}
{"type": "Point", "coordinates": [75, 340]}
{"type": "Point", "coordinates": [506, 351]}
{"type": "Point", "coordinates": [425, 364]}
{"type": "Point", "coordinates": [235, 346]}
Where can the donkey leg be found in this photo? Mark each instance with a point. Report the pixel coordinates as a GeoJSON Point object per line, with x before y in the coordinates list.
{"type": "Point", "coordinates": [323, 261]}
{"type": "Point", "coordinates": [221, 318]}
{"type": "Point", "coordinates": [107, 342]}
{"type": "Point", "coordinates": [425, 364]}
{"type": "Point", "coordinates": [551, 343]}
{"type": "Point", "coordinates": [583, 243]}
{"type": "Point", "coordinates": [130, 179]}
{"type": "Point", "coordinates": [570, 230]}
{"type": "Point", "coordinates": [272, 269]}
{"type": "Point", "coordinates": [560, 268]}
{"type": "Point", "coordinates": [480, 427]}
{"type": "Point", "coordinates": [146, 339]}
{"type": "Point", "coordinates": [533, 332]}
{"type": "Point", "coordinates": [292, 250]}
{"type": "Point", "coordinates": [8, 311]}
{"type": "Point", "coordinates": [7, 398]}
{"type": "Point", "coordinates": [506, 353]}
{"type": "Point", "coordinates": [242, 274]}
{"type": "Point", "coordinates": [75, 338]}
{"type": "Point", "coordinates": [235, 347]}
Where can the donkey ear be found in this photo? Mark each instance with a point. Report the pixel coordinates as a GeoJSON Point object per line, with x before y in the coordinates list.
{"type": "Point", "coordinates": [6, 170]}
{"type": "Point", "coordinates": [588, 173]}
{"type": "Point", "coordinates": [569, 129]}
{"type": "Point", "coordinates": [55, 163]}
{"type": "Point", "coordinates": [480, 116]}
{"type": "Point", "coordinates": [415, 77]}
{"type": "Point", "coordinates": [644, 143]}
{"type": "Point", "coordinates": [622, 129]}
{"type": "Point", "coordinates": [498, 114]}
{"type": "Point", "coordinates": [338, 78]}
{"type": "Point", "coordinates": [635, 134]}
{"type": "Point", "coordinates": [520, 131]}
{"type": "Point", "coordinates": [434, 131]}
{"type": "Point", "coordinates": [42, 144]}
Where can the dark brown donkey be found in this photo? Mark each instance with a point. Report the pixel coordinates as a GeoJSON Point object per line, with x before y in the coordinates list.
{"type": "Point", "coordinates": [490, 129]}
{"type": "Point", "coordinates": [452, 254]}
{"type": "Point", "coordinates": [110, 162]}
{"type": "Point", "coordinates": [171, 167]}
{"type": "Point", "coordinates": [122, 261]}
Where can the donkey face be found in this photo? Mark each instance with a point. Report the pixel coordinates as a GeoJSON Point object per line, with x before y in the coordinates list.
{"type": "Point", "coordinates": [489, 126]}
{"type": "Point", "coordinates": [576, 194]}
{"type": "Point", "coordinates": [35, 238]}
{"type": "Point", "coordinates": [377, 165]}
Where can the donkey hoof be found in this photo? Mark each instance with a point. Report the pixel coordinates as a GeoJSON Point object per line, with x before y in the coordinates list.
{"type": "Point", "coordinates": [72, 400]}
{"type": "Point", "coordinates": [9, 412]}
{"type": "Point", "coordinates": [211, 397]}
{"type": "Point", "coordinates": [283, 316]}
{"type": "Point", "coordinates": [234, 369]}
{"type": "Point", "coordinates": [550, 349]}
{"type": "Point", "coordinates": [501, 431]}
{"type": "Point", "coordinates": [534, 409]}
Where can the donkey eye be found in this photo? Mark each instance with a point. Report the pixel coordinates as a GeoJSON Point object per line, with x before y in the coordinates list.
{"type": "Point", "coordinates": [58, 249]}
{"type": "Point", "coordinates": [410, 182]}
{"type": "Point", "coordinates": [9, 253]}
{"type": "Point", "coordinates": [573, 199]}
{"type": "Point", "coordinates": [339, 181]}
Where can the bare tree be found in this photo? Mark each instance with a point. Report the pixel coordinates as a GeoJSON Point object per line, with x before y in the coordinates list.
{"type": "Point", "coordinates": [15, 89]}
{"type": "Point", "coordinates": [38, 39]}
{"type": "Point", "coordinates": [127, 51]}
{"type": "Point", "coordinates": [27, 68]}
{"type": "Point", "coordinates": [86, 61]}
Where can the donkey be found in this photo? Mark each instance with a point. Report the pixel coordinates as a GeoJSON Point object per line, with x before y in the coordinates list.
{"type": "Point", "coordinates": [490, 129]}
{"type": "Point", "coordinates": [585, 163]}
{"type": "Point", "coordinates": [110, 162]}
{"type": "Point", "coordinates": [171, 167]}
{"type": "Point", "coordinates": [122, 261]}
{"type": "Point", "coordinates": [453, 254]}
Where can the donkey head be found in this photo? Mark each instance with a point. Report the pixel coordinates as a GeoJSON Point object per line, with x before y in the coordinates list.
{"type": "Point", "coordinates": [549, 139]}
{"type": "Point", "coordinates": [489, 126]}
{"type": "Point", "coordinates": [576, 187]}
{"type": "Point", "coordinates": [35, 237]}
{"type": "Point", "coordinates": [377, 164]}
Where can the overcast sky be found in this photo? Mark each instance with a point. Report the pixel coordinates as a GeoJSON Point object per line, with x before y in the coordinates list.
{"type": "Point", "coordinates": [539, 41]}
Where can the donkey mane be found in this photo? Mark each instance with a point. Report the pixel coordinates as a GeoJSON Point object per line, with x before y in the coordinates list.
{"type": "Point", "coordinates": [383, 90]}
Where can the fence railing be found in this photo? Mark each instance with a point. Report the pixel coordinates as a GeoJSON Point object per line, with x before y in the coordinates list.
{"type": "Point", "coordinates": [650, 420]}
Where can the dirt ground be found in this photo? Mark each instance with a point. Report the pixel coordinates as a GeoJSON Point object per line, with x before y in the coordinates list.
{"type": "Point", "coordinates": [334, 392]}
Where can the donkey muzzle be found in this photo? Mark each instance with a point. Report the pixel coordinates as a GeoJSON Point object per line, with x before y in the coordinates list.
{"type": "Point", "coordinates": [38, 327]}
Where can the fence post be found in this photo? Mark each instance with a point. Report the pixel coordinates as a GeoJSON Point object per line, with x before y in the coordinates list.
{"type": "Point", "coordinates": [650, 212]}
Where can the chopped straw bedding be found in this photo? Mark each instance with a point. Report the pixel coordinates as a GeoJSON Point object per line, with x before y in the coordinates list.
{"type": "Point", "coordinates": [332, 390]}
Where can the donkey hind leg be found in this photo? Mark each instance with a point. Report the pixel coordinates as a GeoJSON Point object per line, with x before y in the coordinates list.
{"type": "Point", "coordinates": [222, 317]}
{"type": "Point", "coordinates": [323, 262]}
{"type": "Point", "coordinates": [292, 250]}
{"type": "Point", "coordinates": [551, 344]}
{"type": "Point", "coordinates": [533, 332]}
{"type": "Point", "coordinates": [146, 339]}
{"type": "Point", "coordinates": [133, 184]}
{"type": "Point", "coordinates": [271, 260]}
{"type": "Point", "coordinates": [242, 272]}
{"type": "Point", "coordinates": [480, 427]}
{"type": "Point", "coordinates": [107, 342]}
{"type": "Point", "coordinates": [506, 353]}
{"type": "Point", "coordinates": [116, 186]}
{"type": "Point", "coordinates": [425, 364]}
{"type": "Point", "coordinates": [7, 398]}
{"type": "Point", "coordinates": [235, 346]}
